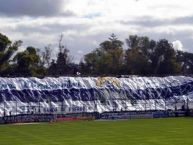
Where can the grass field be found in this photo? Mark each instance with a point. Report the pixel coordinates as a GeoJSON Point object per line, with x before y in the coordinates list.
{"type": "Point", "coordinates": [129, 132]}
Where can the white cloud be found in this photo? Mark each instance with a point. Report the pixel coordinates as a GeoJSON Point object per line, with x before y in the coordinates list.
{"type": "Point", "coordinates": [94, 20]}
{"type": "Point", "coordinates": [178, 45]}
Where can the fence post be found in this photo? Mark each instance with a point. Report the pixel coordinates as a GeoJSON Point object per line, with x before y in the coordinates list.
{"type": "Point", "coordinates": [187, 104]}
{"type": "Point", "coordinates": [16, 106]}
{"type": "Point", "coordinates": [4, 113]}
{"type": "Point", "coordinates": [39, 106]}
{"type": "Point", "coordinates": [145, 106]}
{"type": "Point", "coordinates": [165, 104]}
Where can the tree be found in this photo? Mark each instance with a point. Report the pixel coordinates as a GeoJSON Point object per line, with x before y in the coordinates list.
{"type": "Point", "coordinates": [138, 57]}
{"type": "Point", "coordinates": [143, 57]}
{"type": "Point", "coordinates": [45, 56]}
{"type": "Point", "coordinates": [27, 63]}
{"type": "Point", "coordinates": [61, 62]}
{"type": "Point", "coordinates": [165, 60]}
{"type": "Point", "coordinates": [107, 59]}
{"type": "Point", "coordinates": [112, 43]}
{"type": "Point", "coordinates": [136, 63]}
{"type": "Point", "coordinates": [61, 65]}
{"type": "Point", "coordinates": [148, 57]}
{"type": "Point", "coordinates": [7, 49]}
{"type": "Point", "coordinates": [185, 59]}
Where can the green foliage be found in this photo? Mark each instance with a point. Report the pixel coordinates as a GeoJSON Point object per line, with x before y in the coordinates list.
{"type": "Point", "coordinates": [27, 63]}
{"type": "Point", "coordinates": [142, 57]}
{"type": "Point", "coordinates": [107, 59]}
{"type": "Point", "coordinates": [136, 63]}
{"type": "Point", "coordinates": [62, 66]}
{"type": "Point", "coordinates": [186, 61]}
{"type": "Point", "coordinates": [165, 59]}
{"type": "Point", "coordinates": [148, 57]}
{"type": "Point", "coordinates": [4, 42]}
{"type": "Point", "coordinates": [59, 68]}
{"type": "Point", "coordinates": [7, 49]}
{"type": "Point", "coordinates": [45, 56]}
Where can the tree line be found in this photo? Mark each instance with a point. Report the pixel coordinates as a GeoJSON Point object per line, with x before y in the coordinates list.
{"type": "Point", "coordinates": [143, 56]}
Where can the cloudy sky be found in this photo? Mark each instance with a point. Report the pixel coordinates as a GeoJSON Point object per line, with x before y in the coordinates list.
{"type": "Point", "coordinates": [86, 23]}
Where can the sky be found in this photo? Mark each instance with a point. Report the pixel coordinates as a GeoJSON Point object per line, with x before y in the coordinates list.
{"type": "Point", "coordinates": [86, 23]}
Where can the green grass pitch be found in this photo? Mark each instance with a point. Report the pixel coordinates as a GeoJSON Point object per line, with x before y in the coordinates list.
{"type": "Point", "coordinates": [172, 131]}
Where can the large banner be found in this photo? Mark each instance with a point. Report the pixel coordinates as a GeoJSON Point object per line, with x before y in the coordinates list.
{"type": "Point", "coordinates": [79, 94]}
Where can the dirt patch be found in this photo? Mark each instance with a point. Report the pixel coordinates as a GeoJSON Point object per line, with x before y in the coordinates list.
{"type": "Point", "coordinates": [26, 123]}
